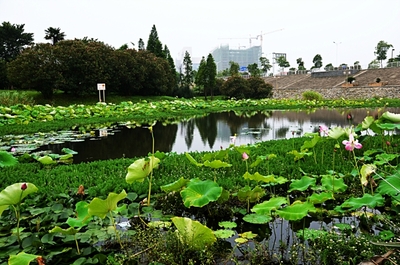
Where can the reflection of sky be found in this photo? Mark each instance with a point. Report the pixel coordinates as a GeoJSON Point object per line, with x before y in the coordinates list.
{"type": "Point", "coordinates": [280, 125]}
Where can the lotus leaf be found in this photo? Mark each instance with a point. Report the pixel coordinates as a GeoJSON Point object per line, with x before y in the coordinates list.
{"type": "Point", "coordinates": [82, 214]}
{"type": "Point", "coordinates": [386, 235]}
{"type": "Point", "coordinates": [248, 235]}
{"type": "Point", "coordinates": [141, 168]}
{"type": "Point", "coordinates": [22, 259]}
{"type": "Point", "coordinates": [336, 133]}
{"type": "Point", "coordinates": [46, 160]}
{"type": "Point", "coordinates": [389, 186]}
{"type": "Point", "coordinates": [13, 194]}
{"type": "Point", "coordinates": [100, 208]}
{"type": "Point", "coordinates": [7, 159]}
{"type": "Point", "coordinates": [366, 171]}
{"type": "Point", "coordinates": [299, 155]}
{"type": "Point", "coordinates": [257, 218]}
{"type": "Point", "coordinates": [320, 198]}
{"type": "Point", "coordinates": [388, 126]}
{"type": "Point", "coordinates": [175, 186]}
{"type": "Point", "coordinates": [227, 224]}
{"type": "Point", "coordinates": [199, 193]}
{"type": "Point", "coordinates": [302, 184]}
{"type": "Point", "coordinates": [393, 117]}
{"type": "Point", "coordinates": [384, 158]}
{"type": "Point", "coordinates": [297, 211]}
{"type": "Point", "coordinates": [267, 206]}
{"type": "Point", "coordinates": [367, 122]}
{"type": "Point", "coordinates": [311, 143]}
{"type": "Point", "coordinates": [193, 233]}
{"type": "Point", "coordinates": [368, 200]}
{"type": "Point", "coordinates": [332, 184]}
{"type": "Point", "coordinates": [224, 233]}
{"type": "Point", "coordinates": [192, 160]}
{"type": "Point", "coordinates": [67, 231]}
{"type": "Point", "coordinates": [216, 164]}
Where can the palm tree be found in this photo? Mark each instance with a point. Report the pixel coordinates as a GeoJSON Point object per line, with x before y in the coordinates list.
{"type": "Point", "coordinates": [54, 34]}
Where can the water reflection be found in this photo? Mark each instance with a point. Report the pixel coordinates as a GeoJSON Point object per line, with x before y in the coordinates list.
{"type": "Point", "coordinates": [212, 132]}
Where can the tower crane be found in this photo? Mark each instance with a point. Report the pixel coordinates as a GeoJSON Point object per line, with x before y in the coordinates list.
{"type": "Point", "coordinates": [260, 37]}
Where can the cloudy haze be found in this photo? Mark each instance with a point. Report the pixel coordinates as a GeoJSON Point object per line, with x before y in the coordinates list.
{"type": "Point", "coordinates": [309, 27]}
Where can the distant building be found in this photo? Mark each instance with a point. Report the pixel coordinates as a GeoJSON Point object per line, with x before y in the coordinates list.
{"type": "Point", "coordinates": [223, 55]}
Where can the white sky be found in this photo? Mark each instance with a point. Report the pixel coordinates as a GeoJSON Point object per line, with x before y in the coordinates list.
{"type": "Point", "coordinates": [309, 26]}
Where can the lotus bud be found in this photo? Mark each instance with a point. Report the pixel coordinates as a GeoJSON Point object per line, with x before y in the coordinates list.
{"type": "Point", "coordinates": [387, 143]}
{"type": "Point", "coordinates": [245, 156]}
{"type": "Point", "coordinates": [24, 186]}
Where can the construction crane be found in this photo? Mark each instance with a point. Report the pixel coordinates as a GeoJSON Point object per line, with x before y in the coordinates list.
{"type": "Point", "coordinates": [261, 36]}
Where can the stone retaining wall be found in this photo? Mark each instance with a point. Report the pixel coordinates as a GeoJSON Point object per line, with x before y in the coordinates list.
{"type": "Point", "coordinates": [342, 92]}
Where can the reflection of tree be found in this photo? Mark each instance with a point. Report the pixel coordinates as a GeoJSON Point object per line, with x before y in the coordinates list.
{"type": "Point", "coordinates": [256, 121]}
{"type": "Point", "coordinates": [188, 129]}
{"type": "Point", "coordinates": [125, 143]}
{"type": "Point", "coordinates": [207, 127]}
{"type": "Point", "coordinates": [281, 132]}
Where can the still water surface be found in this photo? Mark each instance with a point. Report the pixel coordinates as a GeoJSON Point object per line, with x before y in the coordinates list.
{"type": "Point", "coordinates": [211, 132]}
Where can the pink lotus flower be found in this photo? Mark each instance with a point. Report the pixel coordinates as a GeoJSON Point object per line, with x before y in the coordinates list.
{"type": "Point", "coordinates": [245, 156]}
{"type": "Point", "coordinates": [233, 139]}
{"type": "Point", "coordinates": [351, 143]}
{"type": "Point", "coordinates": [324, 130]}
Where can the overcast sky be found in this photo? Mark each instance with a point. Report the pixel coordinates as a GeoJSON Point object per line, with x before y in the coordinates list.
{"type": "Point", "coordinates": [309, 27]}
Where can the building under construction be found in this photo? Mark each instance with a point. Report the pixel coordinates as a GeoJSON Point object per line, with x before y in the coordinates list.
{"type": "Point", "coordinates": [223, 55]}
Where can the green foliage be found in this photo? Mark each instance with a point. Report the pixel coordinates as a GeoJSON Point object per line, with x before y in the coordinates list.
{"type": "Point", "coordinates": [311, 95]}
{"type": "Point", "coordinates": [236, 87]}
{"type": "Point", "coordinates": [259, 87]}
{"type": "Point", "coordinates": [13, 40]}
{"type": "Point", "coordinates": [10, 98]}
{"type": "Point", "coordinates": [199, 193]}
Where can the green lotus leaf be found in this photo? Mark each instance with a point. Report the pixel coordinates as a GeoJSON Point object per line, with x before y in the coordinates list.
{"type": "Point", "coordinates": [311, 143]}
{"type": "Point", "coordinates": [297, 211]}
{"type": "Point", "coordinates": [68, 231]}
{"type": "Point", "coordinates": [224, 233]}
{"type": "Point", "coordinates": [141, 168]}
{"type": "Point", "coordinates": [82, 214]}
{"type": "Point", "coordinates": [200, 193]}
{"type": "Point", "coordinates": [366, 171]}
{"type": "Point", "coordinates": [3, 208]}
{"type": "Point", "coordinates": [389, 186]}
{"type": "Point", "coordinates": [68, 151]}
{"type": "Point", "coordinates": [192, 160]}
{"type": "Point", "coordinates": [367, 122]}
{"type": "Point", "coordinates": [368, 200]}
{"type": "Point", "coordinates": [66, 157]}
{"type": "Point", "coordinates": [299, 155]}
{"type": "Point", "coordinates": [7, 159]}
{"type": "Point", "coordinates": [46, 160]}
{"type": "Point", "coordinates": [384, 158]}
{"type": "Point", "coordinates": [100, 208]}
{"type": "Point", "coordinates": [13, 194]}
{"type": "Point", "coordinates": [241, 240]}
{"type": "Point", "coordinates": [267, 206]}
{"type": "Point", "coordinates": [227, 224]}
{"type": "Point", "coordinates": [257, 218]}
{"type": "Point", "coordinates": [218, 155]}
{"type": "Point", "coordinates": [193, 233]}
{"type": "Point", "coordinates": [386, 235]}
{"type": "Point", "coordinates": [248, 235]}
{"type": "Point", "coordinates": [388, 126]}
{"type": "Point", "coordinates": [332, 184]}
{"type": "Point", "coordinates": [316, 198]}
{"type": "Point", "coordinates": [336, 133]}
{"type": "Point", "coordinates": [175, 186]}
{"type": "Point", "coordinates": [216, 164]}
{"type": "Point", "coordinates": [393, 117]}
{"type": "Point", "coordinates": [22, 259]}
{"type": "Point", "coordinates": [302, 184]}
{"type": "Point", "coordinates": [159, 224]}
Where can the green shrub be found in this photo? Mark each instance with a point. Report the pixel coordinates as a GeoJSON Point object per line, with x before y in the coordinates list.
{"type": "Point", "coordinates": [312, 95]}
{"type": "Point", "coordinates": [10, 98]}
{"type": "Point", "coordinates": [259, 87]}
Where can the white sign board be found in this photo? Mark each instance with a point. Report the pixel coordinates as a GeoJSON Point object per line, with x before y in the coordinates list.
{"type": "Point", "coordinates": [101, 86]}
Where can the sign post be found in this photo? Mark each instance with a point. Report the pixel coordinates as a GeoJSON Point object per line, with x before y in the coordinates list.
{"type": "Point", "coordinates": [101, 87]}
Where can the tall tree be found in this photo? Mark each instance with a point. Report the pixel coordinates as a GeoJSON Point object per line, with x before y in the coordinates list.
{"type": "Point", "coordinates": [141, 45]}
{"type": "Point", "coordinates": [211, 73]}
{"type": "Point", "coordinates": [381, 50]}
{"type": "Point", "coordinates": [170, 60]}
{"type": "Point", "coordinates": [265, 65]}
{"type": "Point", "coordinates": [201, 73]}
{"type": "Point", "coordinates": [54, 34]}
{"type": "Point", "coordinates": [317, 61]}
{"type": "Point", "coordinates": [13, 40]}
{"type": "Point", "coordinates": [154, 45]}
{"type": "Point", "coordinates": [300, 64]}
{"type": "Point", "coordinates": [254, 70]}
{"type": "Point", "coordinates": [234, 68]}
{"type": "Point", "coordinates": [187, 79]}
{"type": "Point", "coordinates": [282, 62]}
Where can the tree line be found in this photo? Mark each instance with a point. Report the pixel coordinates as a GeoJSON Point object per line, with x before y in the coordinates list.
{"type": "Point", "coordinates": [76, 66]}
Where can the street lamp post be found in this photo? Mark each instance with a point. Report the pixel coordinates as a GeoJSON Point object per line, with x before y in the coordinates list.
{"type": "Point", "coordinates": [337, 44]}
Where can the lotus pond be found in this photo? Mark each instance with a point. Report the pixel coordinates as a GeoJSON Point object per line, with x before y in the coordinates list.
{"type": "Point", "coordinates": [328, 197]}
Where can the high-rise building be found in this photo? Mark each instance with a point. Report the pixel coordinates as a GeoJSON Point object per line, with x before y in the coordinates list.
{"type": "Point", "coordinates": [223, 55]}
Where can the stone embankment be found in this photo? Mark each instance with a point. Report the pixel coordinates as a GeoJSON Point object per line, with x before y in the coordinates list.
{"type": "Point", "coordinates": [333, 85]}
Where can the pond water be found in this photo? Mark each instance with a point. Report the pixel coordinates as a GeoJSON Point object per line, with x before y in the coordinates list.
{"type": "Point", "coordinates": [211, 132]}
